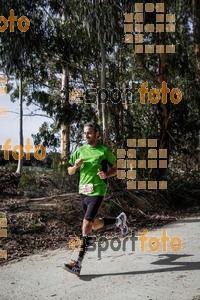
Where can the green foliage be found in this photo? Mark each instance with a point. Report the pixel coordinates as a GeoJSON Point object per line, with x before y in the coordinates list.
{"type": "Point", "coordinates": [38, 182]}
{"type": "Point", "coordinates": [60, 165]}
{"type": "Point", "coordinates": [47, 136]}
{"type": "Point", "coordinates": [52, 44]}
{"type": "Point", "coordinates": [11, 167]}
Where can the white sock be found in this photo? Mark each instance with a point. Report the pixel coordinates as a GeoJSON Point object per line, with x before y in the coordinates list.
{"type": "Point", "coordinates": [118, 221]}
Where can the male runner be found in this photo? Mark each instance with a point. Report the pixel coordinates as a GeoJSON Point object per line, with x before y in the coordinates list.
{"type": "Point", "coordinates": [93, 160]}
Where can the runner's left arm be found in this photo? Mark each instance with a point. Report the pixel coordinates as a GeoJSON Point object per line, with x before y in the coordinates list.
{"type": "Point", "coordinates": [111, 158]}
{"type": "Point", "coordinates": [112, 172]}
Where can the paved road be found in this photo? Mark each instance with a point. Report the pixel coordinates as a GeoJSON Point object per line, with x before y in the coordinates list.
{"type": "Point", "coordinates": [122, 274]}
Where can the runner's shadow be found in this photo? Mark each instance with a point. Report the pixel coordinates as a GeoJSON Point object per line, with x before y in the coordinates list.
{"type": "Point", "coordinates": [169, 260]}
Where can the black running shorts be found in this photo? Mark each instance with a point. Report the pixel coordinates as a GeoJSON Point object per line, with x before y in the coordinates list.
{"type": "Point", "coordinates": [90, 206]}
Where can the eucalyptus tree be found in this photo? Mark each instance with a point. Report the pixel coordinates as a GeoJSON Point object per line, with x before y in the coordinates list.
{"type": "Point", "coordinates": [66, 46]}
{"type": "Point", "coordinates": [18, 48]}
{"type": "Point", "coordinates": [103, 20]}
{"type": "Point", "coordinates": [47, 55]}
{"type": "Point", "coordinates": [179, 70]}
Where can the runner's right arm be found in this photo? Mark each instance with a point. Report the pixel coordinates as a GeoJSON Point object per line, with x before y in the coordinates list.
{"type": "Point", "coordinates": [72, 169]}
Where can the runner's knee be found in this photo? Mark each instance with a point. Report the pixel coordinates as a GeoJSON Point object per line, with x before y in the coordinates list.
{"type": "Point", "coordinates": [87, 225]}
{"type": "Point", "coordinates": [97, 224]}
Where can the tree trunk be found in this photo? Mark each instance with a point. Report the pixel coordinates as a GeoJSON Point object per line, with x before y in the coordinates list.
{"type": "Point", "coordinates": [103, 87]}
{"type": "Point", "coordinates": [98, 98]}
{"type": "Point", "coordinates": [120, 108]}
{"type": "Point", "coordinates": [164, 109]}
{"type": "Point", "coordinates": [65, 132]}
{"type": "Point", "coordinates": [21, 143]}
{"type": "Point", "coordinates": [196, 16]}
{"type": "Point", "coordinates": [196, 31]}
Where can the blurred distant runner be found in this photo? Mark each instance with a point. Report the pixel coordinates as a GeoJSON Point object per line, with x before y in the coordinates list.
{"type": "Point", "coordinates": [93, 160]}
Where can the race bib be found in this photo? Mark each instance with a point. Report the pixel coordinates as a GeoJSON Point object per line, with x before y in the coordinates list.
{"type": "Point", "coordinates": [86, 188]}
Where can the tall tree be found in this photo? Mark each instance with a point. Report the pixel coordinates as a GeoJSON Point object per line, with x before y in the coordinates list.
{"type": "Point", "coordinates": [21, 143]}
{"type": "Point", "coordinates": [196, 30]}
{"type": "Point", "coordinates": [102, 19]}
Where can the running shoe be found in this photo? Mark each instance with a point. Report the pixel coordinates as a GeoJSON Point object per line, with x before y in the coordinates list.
{"type": "Point", "coordinates": [123, 226]}
{"type": "Point", "coordinates": [72, 267]}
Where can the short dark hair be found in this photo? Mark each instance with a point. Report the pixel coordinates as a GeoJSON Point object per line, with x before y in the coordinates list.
{"type": "Point", "coordinates": [93, 125]}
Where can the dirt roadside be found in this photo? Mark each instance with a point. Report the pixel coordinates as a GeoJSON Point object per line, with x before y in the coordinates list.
{"type": "Point", "coordinates": [38, 224]}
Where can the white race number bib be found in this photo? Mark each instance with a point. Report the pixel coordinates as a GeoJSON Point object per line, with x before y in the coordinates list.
{"type": "Point", "coordinates": [86, 188]}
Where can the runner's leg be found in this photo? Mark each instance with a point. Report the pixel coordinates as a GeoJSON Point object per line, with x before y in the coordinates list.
{"type": "Point", "coordinates": [90, 207]}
